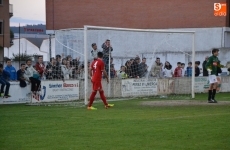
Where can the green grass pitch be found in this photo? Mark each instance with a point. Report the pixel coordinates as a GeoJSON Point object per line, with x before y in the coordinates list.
{"type": "Point", "coordinates": [127, 126]}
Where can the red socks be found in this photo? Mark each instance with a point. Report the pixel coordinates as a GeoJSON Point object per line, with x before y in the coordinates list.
{"type": "Point", "coordinates": [92, 96]}
{"type": "Point", "coordinates": [91, 99]}
{"type": "Point", "coordinates": [103, 97]}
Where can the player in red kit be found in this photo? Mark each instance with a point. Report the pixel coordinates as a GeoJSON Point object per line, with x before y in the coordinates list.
{"type": "Point", "coordinates": [96, 69]}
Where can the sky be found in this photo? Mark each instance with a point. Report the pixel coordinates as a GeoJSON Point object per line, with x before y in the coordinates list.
{"type": "Point", "coordinates": [28, 12]}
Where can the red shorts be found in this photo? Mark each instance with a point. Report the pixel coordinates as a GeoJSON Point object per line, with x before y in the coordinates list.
{"type": "Point", "coordinates": [97, 85]}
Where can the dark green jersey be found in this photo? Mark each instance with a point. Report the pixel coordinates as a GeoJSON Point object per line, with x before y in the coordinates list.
{"type": "Point", "coordinates": [213, 63]}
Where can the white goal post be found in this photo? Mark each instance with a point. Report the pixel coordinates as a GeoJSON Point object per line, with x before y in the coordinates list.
{"type": "Point", "coordinates": [87, 27]}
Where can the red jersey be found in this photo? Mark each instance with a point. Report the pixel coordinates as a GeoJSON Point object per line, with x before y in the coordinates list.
{"type": "Point", "coordinates": [97, 67]}
{"type": "Point", "coordinates": [178, 72]}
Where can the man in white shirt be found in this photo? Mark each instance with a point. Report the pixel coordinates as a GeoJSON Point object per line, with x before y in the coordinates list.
{"type": "Point", "coordinates": [94, 51]}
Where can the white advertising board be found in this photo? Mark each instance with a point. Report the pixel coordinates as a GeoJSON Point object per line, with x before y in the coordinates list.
{"type": "Point", "coordinates": [52, 91]}
{"type": "Point", "coordinates": [139, 87]}
{"type": "Point", "coordinates": [18, 94]}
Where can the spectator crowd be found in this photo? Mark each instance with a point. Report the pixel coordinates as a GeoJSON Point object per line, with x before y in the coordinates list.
{"type": "Point", "coordinates": [64, 68]}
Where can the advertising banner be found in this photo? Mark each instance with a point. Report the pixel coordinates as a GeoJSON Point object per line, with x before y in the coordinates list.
{"type": "Point", "coordinates": [57, 91]}
{"type": "Point", "coordinates": [139, 87]}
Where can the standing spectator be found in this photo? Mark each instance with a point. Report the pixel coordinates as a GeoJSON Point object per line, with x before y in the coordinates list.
{"type": "Point", "coordinates": [81, 72]}
{"type": "Point", "coordinates": [75, 64]}
{"type": "Point", "coordinates": [58, 59]}
{"type": "Point", "coordinates": [40, 67]}
{"type": "Point", "coordinates": [21, 77]}
{"type": "Point", "coordinates": [197, 69]}
{"type": "Point", "coordinates": [161, 75]}
{"type": "Point", "coordinates": [143, 68]}
{"type": "Point", "coordinates": [189, 70]}
{"type": "Point", "coordinates": [178, 70]}
{"type": "Point", "coordinates": [66, 69]}
{"type": "Point", "coordinates": [4, 76]}
{"type": "Point", "coordinates": [113, 73]}
{"type": "Point", "coordinates": [32, 75]}
{"type": "Point", "coordinates": [69, 58]}
{"type": "Point", "coordinates": [12, 71]}
{"type": "Point", "coordinates": [156, 68]}
{"type": "Point", "coordinates": [128, 69]}
{"type": "Point", "coordinates": [51, 69]}
{"type": "Point", "coordinates": [182, 68]}
{"type": "Point", "coordinates": [134, 68]}
{"type": "Point", "coordinates": [94, 51]}
{"type": "Point", "coordinates": [107, 49]}
{"type": "Point", "coordinates": [168, 72]}
{"type": "Point", "coordinates": [121, 73]}
{"type": "Point", "coordinates": [205, 71]}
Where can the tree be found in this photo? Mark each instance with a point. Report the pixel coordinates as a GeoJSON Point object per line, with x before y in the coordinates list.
{"type": "Point", "coordinates": [22, 57]}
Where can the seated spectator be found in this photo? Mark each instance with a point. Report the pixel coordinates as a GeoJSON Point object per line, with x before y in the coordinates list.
{"type": "Point", "coordinates": [32, 75]}
{"type": "Point", "coordinates": [21, 76]}
{"type": "Point", "coordinates": [4, 76]}
{"type": "Point", "coordinates": [40, 67]}
{"type": "Point", "coordinates": [178, 70]}
{"type": "Point", "coordinates": [197, 69]}
{"type": "Point", "coordinates": [168, 72]}
{"type": "Point", "coordinates": [12, 71]}
{"type": "Point", "coordinates": [189, 70]}
{"type": "Point", "coordinates": [121, 73]}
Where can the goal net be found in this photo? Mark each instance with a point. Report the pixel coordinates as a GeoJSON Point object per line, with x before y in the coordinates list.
{"type": "Point", "coordinates": [139, 62]}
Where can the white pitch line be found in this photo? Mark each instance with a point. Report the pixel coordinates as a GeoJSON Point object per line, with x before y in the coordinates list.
{"type": "Point", "coordinates": [195, 116]}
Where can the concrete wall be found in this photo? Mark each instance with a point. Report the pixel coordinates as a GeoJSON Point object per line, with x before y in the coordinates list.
{"type": "Point", "coordinates": [180, 86]}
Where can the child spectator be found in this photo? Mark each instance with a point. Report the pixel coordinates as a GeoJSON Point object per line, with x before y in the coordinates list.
{"type": "Point", "coordinates": [189, 70]}
{"type": "Point", "coordinates": [182, 68]}
{"type": "Point", "coordinates": [12, 71]}
{"type": "Point", "coordinates": [113, 73]}
{"type": "Point", "coordinates": [4, 76]}
{"type": "Point", "coordinates": [40, 67]}
{"type": "Point", "coordinates": [21, 77]}
{"type": "Point", "coordinates": [197, 69]}
{"type": "Point", "coordinates": [168, 72]}
{"type": "Point", "coordinates": [32, 75]}
{"type": "Point", "coordinates": [178, 71]}
{"type": "Point", "coordinates": [121, 73]}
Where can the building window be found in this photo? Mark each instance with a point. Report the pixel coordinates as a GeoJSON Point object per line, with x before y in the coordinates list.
{"type": "Point", "coordinates": [1, 1]}
{"type": "Point", "coordinates": [1, 27]}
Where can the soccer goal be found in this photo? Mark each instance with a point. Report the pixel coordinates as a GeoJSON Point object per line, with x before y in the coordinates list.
{"type": "Point", "coordinates": [131, 60]}
{"type": "Point", "coordinates": [132, 66]}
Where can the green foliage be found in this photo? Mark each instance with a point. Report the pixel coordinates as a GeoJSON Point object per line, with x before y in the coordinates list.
{"type": "Point", "coordinates": [22, 57]}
